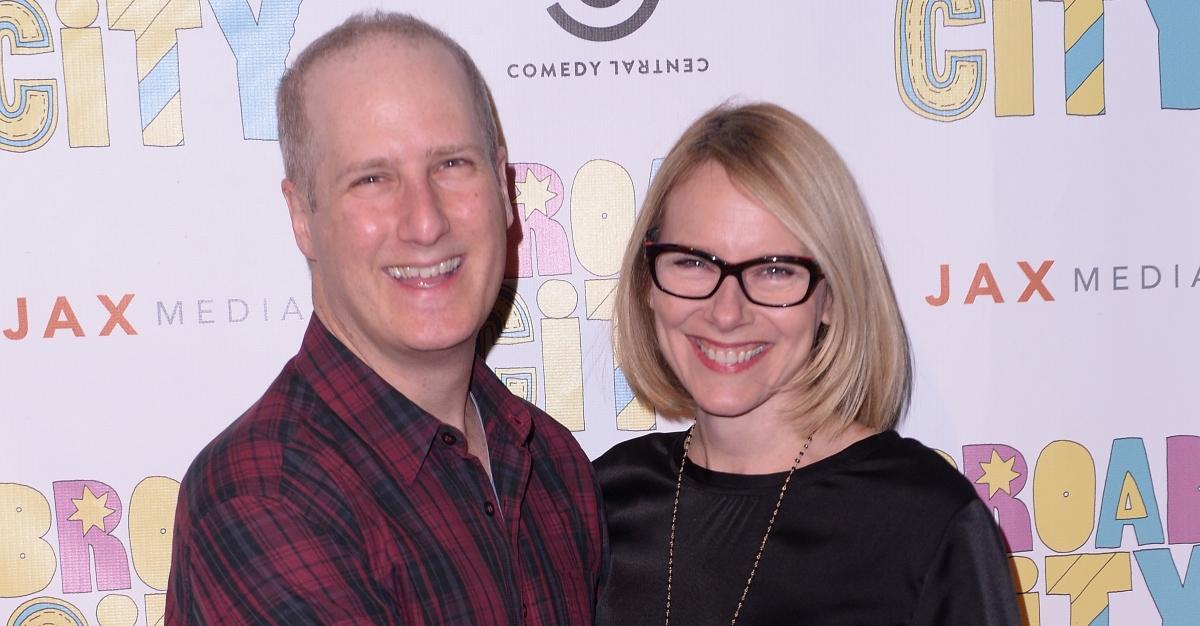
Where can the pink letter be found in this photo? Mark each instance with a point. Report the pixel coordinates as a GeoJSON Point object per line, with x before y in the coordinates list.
{"type": "Point", "coordinates": [999, 473]}
{"type": "Point", "coordinates": [1183, 489]}
{"type": "Point", "coordinates": [538, 196]}
{"type": "Point", "coordinates": [87, 512]}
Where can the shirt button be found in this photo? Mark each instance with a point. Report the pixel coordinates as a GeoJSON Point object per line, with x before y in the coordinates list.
{"type": "Point", "coordinates": [449, 439]}
{"type": "Point", "coordinates": [489, 508]}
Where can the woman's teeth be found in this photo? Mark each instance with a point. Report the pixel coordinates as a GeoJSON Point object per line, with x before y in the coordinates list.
{"type": "Point", "coordinates": [730, 357]}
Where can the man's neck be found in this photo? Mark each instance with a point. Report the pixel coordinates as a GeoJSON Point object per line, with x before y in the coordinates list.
{"type": "Point", "coordinates": [437, 381]}
{"type": "Point", "coordinates": [439, 385]}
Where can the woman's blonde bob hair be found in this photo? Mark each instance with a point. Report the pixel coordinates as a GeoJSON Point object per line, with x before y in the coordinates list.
{"type": "Point", "coordinates": [860, 369]}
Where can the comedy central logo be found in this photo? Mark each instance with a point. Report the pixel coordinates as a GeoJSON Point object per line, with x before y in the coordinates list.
{"type": "Point", "coordinates": [602, 33]}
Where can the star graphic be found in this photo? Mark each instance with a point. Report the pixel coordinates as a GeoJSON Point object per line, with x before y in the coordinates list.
{"type": "Point", "coordinates": [998, 474]}
{"type": "Point", "coordinates": [90, 510]}
{"type": "Point", "coordinates": [533, 193]}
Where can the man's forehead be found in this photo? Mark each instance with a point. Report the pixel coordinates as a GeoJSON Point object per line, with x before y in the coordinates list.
{"type": "Point", "coordinates": [394, 78]}
{"type": "Point", "coordinates": [393, 69]}
{"type": "Point", "coordinates": [382, 67]}
{"type": "Point", "coordinates": [399, 52]}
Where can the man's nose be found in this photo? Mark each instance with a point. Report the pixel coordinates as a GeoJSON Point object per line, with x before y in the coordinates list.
{"type": "Point", "coordinates": [424, 218]}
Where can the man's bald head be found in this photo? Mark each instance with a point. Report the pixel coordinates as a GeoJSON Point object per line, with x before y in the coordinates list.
{"type": "Point", "coordinates": [295, 129]}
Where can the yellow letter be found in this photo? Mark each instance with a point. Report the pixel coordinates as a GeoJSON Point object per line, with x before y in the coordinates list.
{"type": "Point", "coordinates": [1012, 36]}
{"type": "Point", "coordinates": [30, 124]}
{"type": "Point", "coordinates": [83, 73]}
{"type": "Point", "coordinates": [562, 357]}
{"type": "Point", "coordinates": [116, 610]}
{"type": "Point", "coordinates": [602, 209]}
{"type": "Point", "coordinates": [954, 92]}
{"type": "Point", "coordinates": [154, 23]}
{"type": "Point", "coordinates": [1064, 495]}
{"type": "Point", "coordinates": [1083, 47]}
{"type": "Point", "coordinates": [1088, 579]}
{"type": "Point", "coordinates": [1025, 576]}
{"type": "Point", "coordinates": [151, 527]}
{"type": "Point", "coordinates": [27, 561]}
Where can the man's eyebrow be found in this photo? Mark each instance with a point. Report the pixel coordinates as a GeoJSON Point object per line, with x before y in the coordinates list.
{"type": "Point", "coordinates": [358, 166]}
{"type": "Point", "coordinates": [435, 152]}
{"type": "Point", "coordinates": [458, 148]}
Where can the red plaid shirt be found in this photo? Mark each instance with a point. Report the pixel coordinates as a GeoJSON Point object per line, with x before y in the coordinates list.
{"type": "Point", "coordinates": [336, 500]}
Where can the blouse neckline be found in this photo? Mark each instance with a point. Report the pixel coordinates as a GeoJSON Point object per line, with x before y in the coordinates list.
{"type": "Point", "coordinates": [752, 484]}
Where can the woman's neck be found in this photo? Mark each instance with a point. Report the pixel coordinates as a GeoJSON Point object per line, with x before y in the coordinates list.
{"type": "Point", "coordinates": [750, 444]}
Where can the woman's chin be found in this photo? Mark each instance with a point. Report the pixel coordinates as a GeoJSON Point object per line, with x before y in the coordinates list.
{"type": "Point", "coordinates": [726, 408]}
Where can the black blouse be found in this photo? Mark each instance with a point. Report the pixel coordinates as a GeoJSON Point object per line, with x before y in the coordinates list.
{"type": "Point", "coordinates": [883, 532]}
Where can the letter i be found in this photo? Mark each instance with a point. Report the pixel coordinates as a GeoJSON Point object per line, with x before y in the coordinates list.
{"type": "Point", "coordinates": [1013, 37]}
{"type": "Point", "coordinates": [1025, 575]}
{"type": "Point", "coordinates": [562, 355]}
{"type": "Point", "coordinates": [83, 72]}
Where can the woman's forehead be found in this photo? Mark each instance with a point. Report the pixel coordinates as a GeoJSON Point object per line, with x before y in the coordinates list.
{"type": "Point", "coordinates": [708, 210]}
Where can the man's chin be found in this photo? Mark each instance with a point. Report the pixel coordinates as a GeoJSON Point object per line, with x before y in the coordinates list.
{"type": "Point", "coordinates": [435, 343]}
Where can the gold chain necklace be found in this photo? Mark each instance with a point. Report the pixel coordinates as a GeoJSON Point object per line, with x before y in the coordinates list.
{"type": "Point", "coordinates": [687, 443]}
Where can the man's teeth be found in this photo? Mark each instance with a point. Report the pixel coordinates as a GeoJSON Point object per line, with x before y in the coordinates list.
{"type": "Point", "coordinates": [429, 271]}
{"type": "Point", "coordinates": [730, 357]}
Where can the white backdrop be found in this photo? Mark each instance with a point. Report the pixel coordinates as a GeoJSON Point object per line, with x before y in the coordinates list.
{"type": "Point", "coordinates": [1035, 162]}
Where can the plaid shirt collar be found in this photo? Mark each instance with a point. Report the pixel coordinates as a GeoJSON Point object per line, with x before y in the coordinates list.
{"type": "Point", "coordinates": [387, 421]}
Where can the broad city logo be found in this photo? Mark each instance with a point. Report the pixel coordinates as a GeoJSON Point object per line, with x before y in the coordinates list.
{"type": "Point", "coordinates": [603, 33]}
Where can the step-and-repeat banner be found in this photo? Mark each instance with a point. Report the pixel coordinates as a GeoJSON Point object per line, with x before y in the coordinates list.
{"type": "Point", "coordinates": [1032, 167]}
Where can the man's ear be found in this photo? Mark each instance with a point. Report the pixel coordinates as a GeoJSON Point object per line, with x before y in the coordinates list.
{"type": "Point", "coordinates": [301, 214]}
{"type": "Point", "coordinates": [502, 177]}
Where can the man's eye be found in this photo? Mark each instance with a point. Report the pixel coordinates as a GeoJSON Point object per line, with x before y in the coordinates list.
{"type": "Point", "coordinates": [369, 180]}
{"type": "Point", "coordinates": [459, 164]}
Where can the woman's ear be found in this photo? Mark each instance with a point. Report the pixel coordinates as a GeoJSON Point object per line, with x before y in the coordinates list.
{"type": "Point", "coordinates": [827, 306]}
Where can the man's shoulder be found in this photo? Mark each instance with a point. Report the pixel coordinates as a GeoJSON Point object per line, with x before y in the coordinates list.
{"type": "Point", "coordinates": [250, 456]}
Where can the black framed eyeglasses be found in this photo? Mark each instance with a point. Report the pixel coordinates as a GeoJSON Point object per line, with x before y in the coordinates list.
{"type": "Point", "coordinates": [774, 281]}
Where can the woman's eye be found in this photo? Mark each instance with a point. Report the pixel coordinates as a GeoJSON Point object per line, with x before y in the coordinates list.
{"type": "Point", "coordinates": [690, 263]}
{"type": "Point", "coordinates": [777, 272]}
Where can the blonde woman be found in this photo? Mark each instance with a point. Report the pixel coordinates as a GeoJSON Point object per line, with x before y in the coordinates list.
{"type": "Point", "coordinates": [755, 299]}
